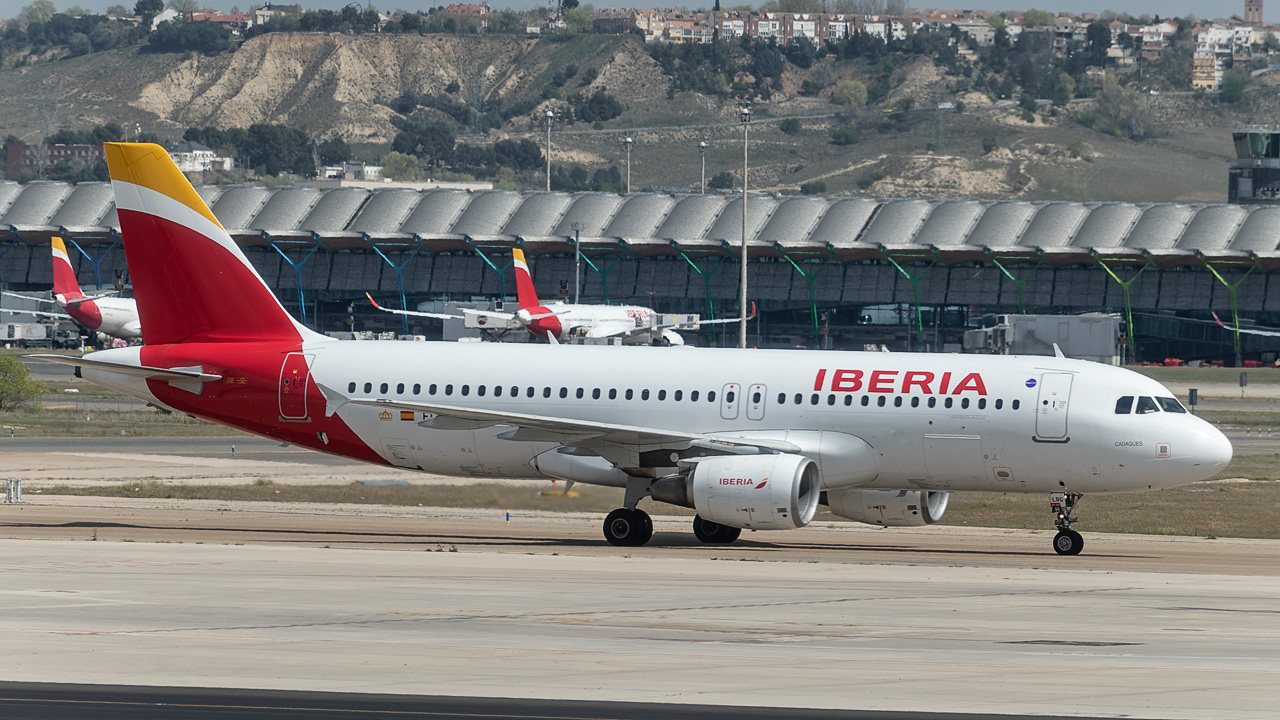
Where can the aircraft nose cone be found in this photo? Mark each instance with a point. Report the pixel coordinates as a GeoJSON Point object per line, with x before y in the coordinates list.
{"type": "Point", "coordinates": [1213, 452]}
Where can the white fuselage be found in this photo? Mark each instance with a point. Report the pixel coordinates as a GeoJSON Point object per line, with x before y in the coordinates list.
{"type": "Point", "coordinates": [1017, 424]}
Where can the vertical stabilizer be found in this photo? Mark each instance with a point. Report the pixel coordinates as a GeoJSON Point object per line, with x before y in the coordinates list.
{"type": "Point", "coordinates": [191, 281]}
{"type": "Point", "coordinates": [65, 284]}
{"type": "Point", "coordinates": [524, 282]}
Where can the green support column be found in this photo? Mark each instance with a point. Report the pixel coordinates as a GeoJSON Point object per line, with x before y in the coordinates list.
{"type": "Point", "coordinates": [604, 274]}
{"type": "Point", "coordinates": [822, 259]}
{"type": "Point", "coordinates": [932, 257]}
{"type": "Point", "coordinates": [1124, 285]}
{"type": "Point", "coordinates": [1018, 283]}
{"type": "Point", "coordinates": [706, 281]}
{"type": "Point", "coordinates": [1231, 289]}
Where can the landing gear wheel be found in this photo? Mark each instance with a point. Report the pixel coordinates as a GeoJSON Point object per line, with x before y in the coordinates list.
{"type": "Point", "coordinates": [714, 533]}
{"type": "Point", "coordinates": [1068, 542]}
{"type": "Point", "coordinates": [628, 528]}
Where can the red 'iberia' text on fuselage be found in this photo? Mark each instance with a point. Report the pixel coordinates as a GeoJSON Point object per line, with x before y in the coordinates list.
{"type": "Point", "coordinates": [897, 381]}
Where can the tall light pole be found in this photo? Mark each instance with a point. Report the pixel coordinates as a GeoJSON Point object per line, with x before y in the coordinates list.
{"type": "Point", "coordinates": [551, 115]}
{"type": "Point", "coordinates": [577, 258]}
{"type": "Point", "coordinates": [628, 142]}
{"type": "Point", "coordinates": [702, 150]}
{"type": "Point", "coordinates": [742, 317]}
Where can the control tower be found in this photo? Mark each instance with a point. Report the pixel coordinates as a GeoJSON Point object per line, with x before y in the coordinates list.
{"type": "Point", "coordinates": [1254, 177]}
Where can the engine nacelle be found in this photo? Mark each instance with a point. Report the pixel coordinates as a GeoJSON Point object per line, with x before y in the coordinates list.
{"type": "Point", "coordinates": [889, 508]}
{"type": "Point", "coordinates": [757, 492]}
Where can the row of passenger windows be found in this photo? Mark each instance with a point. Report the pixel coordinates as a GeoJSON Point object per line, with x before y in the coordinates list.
{"type": "Point", "coordinates": [514, 391]}
{"type": "Point", "coordinates": [1125, 406]}
{"type": "Point", "coordinates": [676, 395]}
{"type": "Point", "coordinates": [883, 400]}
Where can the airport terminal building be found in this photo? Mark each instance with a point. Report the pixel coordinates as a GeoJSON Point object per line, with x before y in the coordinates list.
{"type": "Point", "coordinates": [840, 272]}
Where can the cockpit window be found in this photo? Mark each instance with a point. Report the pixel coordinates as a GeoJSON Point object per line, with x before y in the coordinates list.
{"type": "Point", "coordinates": [1146, 405]}
{"type": "Point", "coordinates": [1124, 405]}
{"type": "Point", "coordinates": [1168, 404]}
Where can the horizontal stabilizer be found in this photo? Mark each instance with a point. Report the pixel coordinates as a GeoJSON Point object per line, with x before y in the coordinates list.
{"type": "Point", "coordinates": [183, 375]}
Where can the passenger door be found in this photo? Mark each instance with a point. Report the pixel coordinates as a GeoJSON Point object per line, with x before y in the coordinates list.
{"type": "Point", "coordinates": [294, 374]}
{"type": "Point", "coordinates": [1051, 406]}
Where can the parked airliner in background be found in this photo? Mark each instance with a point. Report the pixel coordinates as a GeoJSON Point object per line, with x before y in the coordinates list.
{"type": "Point", "coordinates": [559, 321]}
{"type": "Point", "coordinates": [111, 316]}
{"type": "Point", "coordinates": [750, 439]}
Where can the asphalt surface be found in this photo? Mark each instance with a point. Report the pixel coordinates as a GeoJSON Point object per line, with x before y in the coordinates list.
{"type": "Point", "coordinates": [246, 447]}
{"type": "Point", "coordinates": [53, 701]}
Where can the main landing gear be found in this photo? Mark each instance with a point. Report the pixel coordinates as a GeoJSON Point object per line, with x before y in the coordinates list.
{"type": "Point", "coordinates": [1067, 541]}
{"type": "Point", "coordinates": [714, 533]}
{"type": "Point", "coordinates": [628, 528]}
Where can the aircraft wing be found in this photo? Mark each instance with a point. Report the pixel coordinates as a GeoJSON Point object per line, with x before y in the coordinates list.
{"type": "Point", "coordinates": [700, 323]}
{"type": "Point", "coordinates": [1247, 331]}
{"type": "Point", "coordinates": [40, 313]}
{"type": "Point", "coordinates": [543, 428]}
{"type": "Point", "coordinates": [33, 298]}
{"type": "Point", "coordinates": [413, 313]}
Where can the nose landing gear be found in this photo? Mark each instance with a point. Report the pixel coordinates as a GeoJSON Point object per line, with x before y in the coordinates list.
{"type": "Point", "coordinates": [1067, 541]}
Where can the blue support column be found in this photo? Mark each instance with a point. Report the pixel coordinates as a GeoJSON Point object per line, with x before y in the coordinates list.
{"type": "Point", "coordinates": [501, 270]}
{"type": "Point", "coordinates": [97, 261]}
{"type": "Point", "coordinates": [399, 270]}
{"type": "Point", "coordinates": [297, 266]}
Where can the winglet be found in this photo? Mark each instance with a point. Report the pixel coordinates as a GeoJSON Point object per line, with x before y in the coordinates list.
{"type": "Point", "coordinates": [1057, 351]}
{"type": "Point", "coordinates": [374, 302]}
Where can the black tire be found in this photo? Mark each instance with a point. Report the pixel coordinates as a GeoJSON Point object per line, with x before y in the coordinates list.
{"type": "Point", "coordinates": [713, 533]}
{"type": "Point", "coordinates": [1068, 542]}
{"type": "Point", "coordinates": [646, 527]}
{"type": "Point", "coordinates": [627, 528]}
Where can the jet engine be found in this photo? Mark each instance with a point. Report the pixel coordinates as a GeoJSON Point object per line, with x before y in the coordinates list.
{"type": "Point", "coordinates": [757, 492]}
{"type": "Point", "coordinates": [888, 508]}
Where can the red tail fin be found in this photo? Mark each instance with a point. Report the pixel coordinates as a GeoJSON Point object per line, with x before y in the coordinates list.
{"type": "Point", "coordinates": [192, 282]}
{"type": "Point", "coordinates": [524, 282]}
{"type": "Point", "coordinates": [64, 276]}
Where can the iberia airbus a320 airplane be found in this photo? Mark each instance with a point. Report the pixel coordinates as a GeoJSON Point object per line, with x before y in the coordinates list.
{"type": "Point", "coordinates": [114, 317]}
{"type": "Point", "coordinates": [750, 439]}
{"type": "Point", "coordinates": [557, 321]}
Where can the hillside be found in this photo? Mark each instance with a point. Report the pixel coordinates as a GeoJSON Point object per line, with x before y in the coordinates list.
{"type": "Point", "coordinates": [332, 85]}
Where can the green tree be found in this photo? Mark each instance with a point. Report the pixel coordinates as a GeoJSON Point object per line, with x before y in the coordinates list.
{"type": "Point", "coordinates": [399, 166]}
{"type": "Point", "coordinates": [847, 135]}
{"type": "Point", "coordinates": [790, 126]}
{"type": "Point", "coordinates": [334, 151]}
{"type": "Point", "coordinates": [118, 11]}
{"type": "Point", "coordinates": [721, 181]}
{"type": "Point", "coordinates": [1038, 18]}
{"type": "Point", "coordinates": [1118, 111]}
{"type": "Point", "coordinates": [148, 9]}
{"type": "Point", "coordinates": [1064, 90]}
{"type": "Point", "coordinates": [17, 389]}
{"type": "Point", "coordinates": [1234, 82]}
{"type": "Point", "coordinates": [39, 11]}
{"type": "Point", "coordinates": [184, 6]}
{"type": "Point", "coordinates": [851, 93]}
{"type": "Point", "coordinates": [813, 187]}
{"type": "Point", "coordinates": [577, 21]}
{"type": "Point", "coordinates": [996, 21]}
